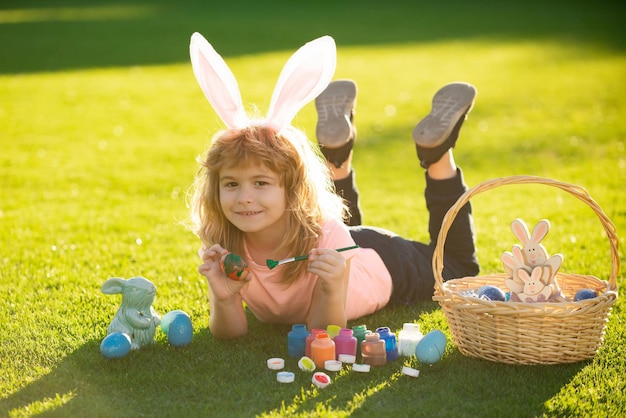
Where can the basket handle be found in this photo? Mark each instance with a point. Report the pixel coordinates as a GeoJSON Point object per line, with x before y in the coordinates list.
{"type": "Point", "coordinates": [576, 191]}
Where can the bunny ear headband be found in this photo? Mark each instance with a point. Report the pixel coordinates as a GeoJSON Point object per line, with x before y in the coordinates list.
{"type": "Point", "coordinates": [305, 75]}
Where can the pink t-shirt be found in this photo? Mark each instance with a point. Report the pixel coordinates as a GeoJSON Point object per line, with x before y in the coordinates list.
{"type": "Point", "coordinates": [369, 288]}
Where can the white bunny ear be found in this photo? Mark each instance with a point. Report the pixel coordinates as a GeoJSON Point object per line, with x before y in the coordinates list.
{"type": "Point", "coordinates": [518, 254]}
{"type": "Point", "coordinates": [540, 231]}
{"type": "Point", "coordinates": [217, 82]}
{"type": "Point", "coordinates": [523, 274]}
{"type": "Point", "coordinates": [520, 230]}
{"type": "Point", "coordinates": [305, 75]}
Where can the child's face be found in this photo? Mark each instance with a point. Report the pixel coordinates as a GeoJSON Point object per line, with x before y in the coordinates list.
{"type": "Point", "coordinates": [253, 198]}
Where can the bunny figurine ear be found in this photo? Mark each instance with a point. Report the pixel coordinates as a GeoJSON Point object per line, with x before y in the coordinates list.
{"type": "Point", "coordinates": [305, 75]}
{"type": "Point", "coordinates": [113, 286]}
{"type": "Point", "coordinates": [540, 231]}
{"type": "Point", "coordinates": [217, 82]}
{"type": "Point", "coordinates": [520, 230]}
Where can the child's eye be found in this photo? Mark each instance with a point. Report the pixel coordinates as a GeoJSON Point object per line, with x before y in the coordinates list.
{"type": "Point", "coordinates": [230, 184]}
{"type": "Point", "coordinates": [261, 183]}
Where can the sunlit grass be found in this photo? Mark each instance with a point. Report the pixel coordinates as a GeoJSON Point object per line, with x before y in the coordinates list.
{"type": "Point", "coordinates": [95, 165]}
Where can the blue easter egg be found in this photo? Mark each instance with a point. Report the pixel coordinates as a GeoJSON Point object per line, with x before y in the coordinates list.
{"type": "Point", "coordinates": [490, 292]}
{"type": "Point", "coordinates": [585, 294]}
{"type": "Point", "coordinates": [431, 347]}
{"type": "Point", "coordinates": [115, 345]}
{"type": "Point", "coordinates": [180, 332]}
{"type": "Point", "coordinates": [168, 318]}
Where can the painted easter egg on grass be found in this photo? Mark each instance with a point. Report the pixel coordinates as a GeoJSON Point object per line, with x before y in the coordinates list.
{"type": "Point", "coordinates": [115, 345]}
{"type": "Point", "coordinates": [234, 266]}
{"type": "Point", "coordinates": [180, 331]}
{"type": "Point", "coordinates": [168, 318]}
{"type": "Point", "coordinates": [431, 347]}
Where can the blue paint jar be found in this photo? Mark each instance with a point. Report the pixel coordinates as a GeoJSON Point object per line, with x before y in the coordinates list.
{"type": "Point", "coordinates": [391, 347]}
{"type": "Point", "coordinates": [296, 340]}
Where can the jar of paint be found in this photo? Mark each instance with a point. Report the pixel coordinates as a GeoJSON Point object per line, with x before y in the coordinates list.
{"type": "Point", "coordinates": [408, 338]}
{"type": "Point", "coordinates": [391, 347]}
{"type": "Point", "coordinates": [322, 349]}
{"type": "Point", "coordinates": [310, 338]}
{"type": "Point", "coordinates": [333, 331]}
{"type": "Point", "coordinates": [373, 350]}
{"type": "Point", "coordinates": [345, 343]}
{"type": "Point", "coordinates": [359, 332]}
{"type": "Point", "coordinates": [296, 340]}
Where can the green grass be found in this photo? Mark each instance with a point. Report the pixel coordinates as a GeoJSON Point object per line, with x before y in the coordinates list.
{"type": "Point", "coordinates": [100, 124]}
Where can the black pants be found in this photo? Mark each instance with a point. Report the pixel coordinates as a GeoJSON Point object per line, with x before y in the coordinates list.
{"type": "Point", "coordinates": [408, 261]}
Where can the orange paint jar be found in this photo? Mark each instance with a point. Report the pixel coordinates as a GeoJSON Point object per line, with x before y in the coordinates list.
{"type": "Point", "coordinates": [322, 349]}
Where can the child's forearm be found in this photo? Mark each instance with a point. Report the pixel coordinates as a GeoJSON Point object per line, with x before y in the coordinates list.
{"type": "Point", "coordinates": [227, 319]}
{"type": "Point", "coordinates": [328, 311]}
{"type": "Point", "coordinates": [328, 306]}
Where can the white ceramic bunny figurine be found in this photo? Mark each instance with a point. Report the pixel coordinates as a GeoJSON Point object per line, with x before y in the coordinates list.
{"type": "Point", "coordinates": [135, 316]}
{"type": "Point", "coordinates": [305, 75]}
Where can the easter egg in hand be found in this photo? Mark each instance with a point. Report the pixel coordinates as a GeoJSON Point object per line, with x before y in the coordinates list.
{"type": "Point", "coordinates": [234, 266]}
{"type": "Point", "coordinates": [431, 347]}
{"type": "Point", "coordinates": [115, 345]}
{"type": "Point", "coordinates": [585, 294]}
{"type": "Point", "coordinates": [490, 292]}
{"type": "Point", "coordinates": [180, 330]}
{"type": "Point", "coordinates": [168, 318]}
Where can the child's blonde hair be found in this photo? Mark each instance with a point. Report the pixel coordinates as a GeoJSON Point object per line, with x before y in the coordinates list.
{"type": "Point", "coordinates": [308, 187]}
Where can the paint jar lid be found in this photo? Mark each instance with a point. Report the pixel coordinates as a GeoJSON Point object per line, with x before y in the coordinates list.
{"type": "Point", "coordinates": [306, 364]}
{"type": "Point", "coordinates": [275, 363]}
{"type": "Point", "coordinates": [332, 365]}
{"type": "Point", "coordinates": [363, 368]}
{"type": "Point", "coordinates": [410, 372]}
{"type": "Point", "coordinates": [347, 358]}
{"type": "Point", "coordinates": [285, 377]}
{"type": "Point", "coordinates": [320, 379]}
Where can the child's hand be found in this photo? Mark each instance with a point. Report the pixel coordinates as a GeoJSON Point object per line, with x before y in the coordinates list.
{"type": "Point", "coordinates": [330, 266]}
{"type": "Point", "coordinates": [221, 286]}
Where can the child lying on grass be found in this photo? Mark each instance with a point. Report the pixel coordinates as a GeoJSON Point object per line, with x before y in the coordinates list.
{"type": "Point", "coordinates": [264, 191]}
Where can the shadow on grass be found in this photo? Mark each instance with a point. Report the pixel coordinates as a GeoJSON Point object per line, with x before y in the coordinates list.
{"type": "Point", "coordinates": [206, 377]}
{"type": "Point", "coordinates": [72, 34]}
{"type": "Point", "coordinates": [229, 378]}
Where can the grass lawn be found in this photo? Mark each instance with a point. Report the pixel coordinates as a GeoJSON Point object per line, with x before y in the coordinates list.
{"type": "Point", "coordinates": [100, 124]}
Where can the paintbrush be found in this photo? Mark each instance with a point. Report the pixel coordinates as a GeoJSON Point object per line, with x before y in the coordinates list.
{"type": "Point", "coordinates": [273, 263]}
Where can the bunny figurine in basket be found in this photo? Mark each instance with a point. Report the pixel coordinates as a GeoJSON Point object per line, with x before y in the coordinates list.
{"type": "Point", "coordinates": [135, 317]}
{"type": "Point", "coordinates": [531, 271]}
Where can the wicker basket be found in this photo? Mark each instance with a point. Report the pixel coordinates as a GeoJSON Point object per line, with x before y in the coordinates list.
{"type": "Point", "coordinates": [526, 333]}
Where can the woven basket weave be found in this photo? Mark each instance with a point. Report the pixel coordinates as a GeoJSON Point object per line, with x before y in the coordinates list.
{"type": "Point", "coordinates": [527, 333]}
